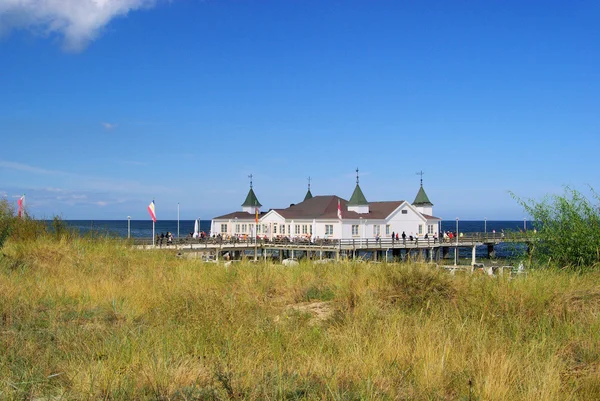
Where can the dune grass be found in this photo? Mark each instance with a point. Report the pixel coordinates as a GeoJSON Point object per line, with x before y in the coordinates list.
{"type": "Point", "coordinates": [83, 319]}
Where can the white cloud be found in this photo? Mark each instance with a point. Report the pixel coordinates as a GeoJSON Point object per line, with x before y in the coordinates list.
{"type": "Point", "coordinates": [28, 168]}
{"type": "Point", "coordinates": [90, 183]}
{"type": "Point", "coordinates": [109, 126]}
{"type": "Point", "coordinates": [51, 189]}
{"type": "Point", "coordinates": [68, 198]}
{"type": "Point", "coordinates": [77, 21]}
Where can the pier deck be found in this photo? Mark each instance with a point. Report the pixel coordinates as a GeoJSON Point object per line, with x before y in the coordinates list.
{"type": "Point", "coordinates": [336, 247]}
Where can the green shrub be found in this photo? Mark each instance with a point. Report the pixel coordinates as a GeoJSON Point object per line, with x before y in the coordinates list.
{"type": "Point", "coordinates": [6, 221]}
{"type": "Point", "coordinates": [567, 230]}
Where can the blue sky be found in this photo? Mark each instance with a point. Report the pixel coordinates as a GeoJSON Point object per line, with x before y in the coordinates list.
{"type": "Point", "coordinates": [106, 105]}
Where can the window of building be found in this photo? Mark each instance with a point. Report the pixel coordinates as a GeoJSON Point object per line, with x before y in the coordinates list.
{"type": "Point", "coordinates": [420, 228]}
{"type": "Point", "coordinates": [310, 229]}
{"type": "Point", "coordinates": [244, 228]}
{"type": "Point", "coordinates": [430, 229]}
{"type": "Point", "coordinates": [296, 228]}
{"type": "Point", "coordinates": [289, 230]}
{"type": "Point", "coordinates": [354, 229]}
{"type": "Point", "coordinates": [251, 227]}
{"type": "Point", "coordinates": [387, 229]}
{"type": "Point", "coordinates": [265, 229]}
{"type": "Point", "coordinates": [223, 228]}
{"type": "Point", "coordinates": [274, 228]}
{"type": "Point", "coordinates": [328, 229]}
{"type": "Point", "coordinates": [376, 230]}
{"type": "Point", "coordinates": [237, 228]}
{"type": "Point", "coordinates": [304, 229]}
{"type": "Point", "coordinates": [283, 228]}
{"type": "Point", "coordinates": [405, 211]}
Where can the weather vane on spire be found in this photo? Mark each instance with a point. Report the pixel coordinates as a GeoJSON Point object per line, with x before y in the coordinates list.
{"type": "Point", "coordinates": [357, 176]}
{"type": "Point", "coordinates": [421, 174]}
{"type": "Point", "coordinates": [308, 183]}
{"type": "Point", "coordinates": [250, 176]}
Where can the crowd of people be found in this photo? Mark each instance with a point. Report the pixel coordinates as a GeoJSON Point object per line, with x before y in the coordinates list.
{"type": "Point", "coordinates": [412, 237]}
{"type": "Point", "coordinates": [200, 235]}
{"type": "Point", "coordinates": [167, 238]}
{"type": "Point", "coordinates": [164, 239]}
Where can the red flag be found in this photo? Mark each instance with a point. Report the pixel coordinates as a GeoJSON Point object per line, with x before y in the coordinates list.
{"type": "Point", "coordinates": [339, 210]}
{"type": "Point", "coordinates": [20, 203]}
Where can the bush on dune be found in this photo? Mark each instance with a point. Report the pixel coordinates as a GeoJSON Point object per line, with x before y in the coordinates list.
{"type": "Point", "coordinates": [567, 230]}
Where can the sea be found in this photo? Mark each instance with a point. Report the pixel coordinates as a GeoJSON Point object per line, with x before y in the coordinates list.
{"type": "Point", "coordinates": [182, 228]}
{"type": "Point", "coordinates": [143, 228]}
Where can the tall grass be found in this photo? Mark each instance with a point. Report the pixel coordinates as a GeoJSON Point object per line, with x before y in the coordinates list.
{"type": "Point", "coordinates": [95, 319]}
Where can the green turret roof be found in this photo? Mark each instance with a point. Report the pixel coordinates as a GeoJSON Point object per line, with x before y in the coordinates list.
{"type": "Point", "coordinates": [251, 199]}
{"type": "Point", "coordinates": [308, 195]}
{"type": "Point", "coordinates": [422, 199]}
{"type": "Point", "coordinates": [357, 198]}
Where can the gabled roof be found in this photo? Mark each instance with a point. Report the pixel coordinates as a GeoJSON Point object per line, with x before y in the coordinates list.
{"type": "Point", "coordinates": [357, 198]}
{"type": "Point", "coordinates": [251, 199]}
{"type": "Point", "coordinates": [308, 195]}
{"type": "Point", "coordinates": [325, 207]}
{"type": "Point", "coordinates": [422, 199]}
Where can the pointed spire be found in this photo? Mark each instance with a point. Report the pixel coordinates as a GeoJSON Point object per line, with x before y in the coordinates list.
{"type": "Point", "coordinates": [357, 198]}
{"type": "Point", "coordinates": [422, 199]}
{"type": "Point", "coordinates": [251, 199]}
{"type": "Point", "coordinates": [308, 194]}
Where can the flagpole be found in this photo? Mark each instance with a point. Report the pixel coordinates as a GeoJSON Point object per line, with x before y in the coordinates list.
{"type": "Point", "coordinates": [177, 220]}
{"type": "Point", "coordinates": [153, 238]}
{"type": "Point", "coordinates": [255, 232]}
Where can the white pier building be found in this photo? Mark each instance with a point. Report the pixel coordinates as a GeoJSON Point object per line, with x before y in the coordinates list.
{"type": "Point", "coordinates": [331, 217]}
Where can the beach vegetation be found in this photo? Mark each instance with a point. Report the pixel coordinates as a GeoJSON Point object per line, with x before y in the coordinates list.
{"type": "Point", "coordinates": [94, 318]}
{"type": "Point", "coordinates": [567, 230]}
{"type": "Point", "coordinates": [6, 221]}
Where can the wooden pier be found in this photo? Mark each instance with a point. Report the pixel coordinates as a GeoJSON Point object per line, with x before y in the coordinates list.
{"type": "Point", "coordinates": [427, 249]}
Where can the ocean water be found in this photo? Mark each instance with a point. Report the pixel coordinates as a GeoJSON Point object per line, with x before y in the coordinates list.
{"type": "Point", "coordinates": [143, 228]}
{"type": "Point", "coordinates": [138, 228]}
